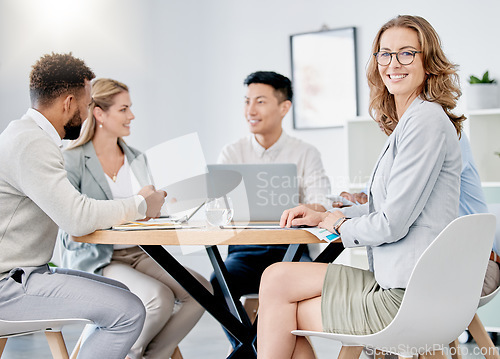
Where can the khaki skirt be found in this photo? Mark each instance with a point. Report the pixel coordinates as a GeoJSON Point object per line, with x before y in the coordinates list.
{"type": "Point", "coordinates": [352, 302]}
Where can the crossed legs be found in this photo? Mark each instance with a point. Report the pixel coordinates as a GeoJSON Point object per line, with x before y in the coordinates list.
{"type": "Point", "coordinates": [289, 299]}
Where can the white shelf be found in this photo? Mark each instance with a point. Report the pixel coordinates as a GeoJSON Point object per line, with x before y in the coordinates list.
{"type": "Point", "coordinates": [484, 137]}
{"type": "Point", "coordinates": [489, 111]}
{"type": "Point", "coordinates": [490, 184]}
{"type": "Point", "coordinates": [361, 119]}
{"type": "Point", "coordinates": [364, 143]}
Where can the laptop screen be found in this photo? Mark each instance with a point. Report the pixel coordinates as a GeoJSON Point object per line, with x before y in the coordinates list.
{"type": "Point", "coordinates": [265, 191]}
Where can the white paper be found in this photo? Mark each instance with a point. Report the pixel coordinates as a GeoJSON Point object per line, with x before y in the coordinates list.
{"type": "Point", "coordinates": [322, 234]}
{"type": "Point", "coordinates": [176, 160]}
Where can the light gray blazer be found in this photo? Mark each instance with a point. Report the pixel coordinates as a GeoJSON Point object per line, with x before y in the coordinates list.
{"type": "Point", "coordinates": [86, 174]}
{"type": "Point", "coordinates": [413, 194]}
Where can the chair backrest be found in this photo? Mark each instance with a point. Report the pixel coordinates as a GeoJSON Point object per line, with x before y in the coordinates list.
{"type": "Point", "coordinates": [493, 208]}
{"type": "Point", "coordinates": [444, 289]}
{"type": "Point", "coordinates": [10, 328]}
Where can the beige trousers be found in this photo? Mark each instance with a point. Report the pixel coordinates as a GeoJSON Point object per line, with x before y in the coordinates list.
{"type": "Point", "coordinates": [165, 325]}
{"type": "Point", "coordinates": [491, 279]}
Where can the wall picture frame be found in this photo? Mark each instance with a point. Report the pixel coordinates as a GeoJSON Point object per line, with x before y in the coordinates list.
{"type": "Point", "coordinates": [324, 77]}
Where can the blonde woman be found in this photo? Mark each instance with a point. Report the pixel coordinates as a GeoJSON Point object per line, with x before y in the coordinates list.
{"type": "Point", "coordinates": [102, 166]}
{"type": "Point", "coordinates": [413, 194]}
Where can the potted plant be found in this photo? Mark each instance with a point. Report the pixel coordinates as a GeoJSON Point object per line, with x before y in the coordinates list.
{"type": "Point", "coordinates": [482, 92]}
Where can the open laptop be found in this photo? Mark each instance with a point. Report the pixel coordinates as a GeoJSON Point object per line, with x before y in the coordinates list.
{"type": "Point", "coordinates": [265, 190]}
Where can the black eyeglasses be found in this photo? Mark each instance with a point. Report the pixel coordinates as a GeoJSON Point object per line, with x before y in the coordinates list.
{"type": "Point", "coordinates": [405, 57]}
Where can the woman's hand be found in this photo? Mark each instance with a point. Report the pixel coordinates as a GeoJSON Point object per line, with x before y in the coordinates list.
{"type": "Point", "coordinates": [301, 216]}
{"type": "Point", "coordinates": [330, 220]}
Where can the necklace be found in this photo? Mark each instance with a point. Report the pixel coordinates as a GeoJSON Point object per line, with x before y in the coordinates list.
{"type": "Point", "coordinates": [109, 165]}
{"type": "Point", "coordinates": [120, 164]}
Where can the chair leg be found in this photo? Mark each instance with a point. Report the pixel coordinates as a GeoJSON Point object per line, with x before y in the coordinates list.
{"type": "Point", "coordinates": [455, 349]}
{"type": "Point", "coordinates": [251, 306]}
{"type": "Point", "coordinates": [177, 354]}
{"type": "Point", "coordinates": [482, 339]}
{"type": "Point", "coordinates": [57, 345]}
{"type": "Point", "coordinates": [348, 352]}
{"type": "Point", "coordinates": [438, 354]}
{"type": "Point", "coordinates": [76, 349]}
{"type": "Point", "coordinates": [3, 341]}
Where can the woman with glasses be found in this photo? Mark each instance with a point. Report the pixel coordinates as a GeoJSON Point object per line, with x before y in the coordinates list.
{"type": "Point", "coordinates": [413, 194]}
{"type": "Point", "coordinates": [101, 165]}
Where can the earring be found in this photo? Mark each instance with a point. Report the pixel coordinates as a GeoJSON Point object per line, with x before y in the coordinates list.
{"type": "Point", "coordinates": [100, 125]}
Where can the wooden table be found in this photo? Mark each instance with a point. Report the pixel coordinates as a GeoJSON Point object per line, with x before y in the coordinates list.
{"type": "Point", "coordinates": [233, 317]}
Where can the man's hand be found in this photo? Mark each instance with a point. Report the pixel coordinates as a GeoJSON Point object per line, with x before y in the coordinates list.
{"type": "Point", "coordinates": [301, 216]}
{"type": "Point", "coordinates": [154, 201]}
{"type": "Point", "coordinates": [358, 198]}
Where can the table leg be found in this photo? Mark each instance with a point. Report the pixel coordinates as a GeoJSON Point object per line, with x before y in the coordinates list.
{"type": "Point", "coordinates": [220, 271]}
{"type": "Point", "coordinates": [294, 252]}
{"type": "Point", "coordinates": [243, 333]}
{"type": "Point", "coordinates": [234, 319]}
{"type": "Point", "coordinates": [247, 348]}
{"type": "Point", "coordinates": [330, 253]}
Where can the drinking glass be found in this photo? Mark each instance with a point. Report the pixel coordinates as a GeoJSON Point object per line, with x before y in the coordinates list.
{"type": "Point", "coordinates": [219, 211]}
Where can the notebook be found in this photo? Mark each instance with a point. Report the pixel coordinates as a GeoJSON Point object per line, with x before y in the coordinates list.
{"type": "Point", "coordinates": [265, 190]}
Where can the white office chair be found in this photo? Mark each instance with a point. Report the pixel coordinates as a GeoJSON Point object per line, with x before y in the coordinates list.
{"type": "Point", "coordinates": [441, 297]}
{"type": "Point", "coordinates": [479, 333]}
{"type": "Point", "coordinates": [175, 355]}
{"type": "Point", "coordinates": [476, 328]}
{"type": "Point", "coordinates": [52, 329]}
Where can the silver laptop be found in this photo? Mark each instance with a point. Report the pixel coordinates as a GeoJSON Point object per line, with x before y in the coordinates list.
{"type": "Point", "coordinates": [264, 192]}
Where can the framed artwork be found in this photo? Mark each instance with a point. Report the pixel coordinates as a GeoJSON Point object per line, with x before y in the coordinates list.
{"type": "Point", "coordinates": [324, 77]}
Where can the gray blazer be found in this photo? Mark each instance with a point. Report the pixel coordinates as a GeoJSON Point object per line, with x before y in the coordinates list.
{"type": "Point", "coordinates": [86, 174]}
{"type": "Point", "coordinates": [413, 194]}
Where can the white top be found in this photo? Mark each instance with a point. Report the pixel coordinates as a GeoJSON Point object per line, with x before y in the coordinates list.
{"type": "Point", "coordinates": [126, 186]}
{"type": "Point", "coordinates": [45, 125]}
{"type": "Point", "coordinates": [314, 185]}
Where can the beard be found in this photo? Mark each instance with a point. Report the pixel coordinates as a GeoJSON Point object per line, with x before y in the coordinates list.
{"type": "Point", "coordinates": [73, 126]}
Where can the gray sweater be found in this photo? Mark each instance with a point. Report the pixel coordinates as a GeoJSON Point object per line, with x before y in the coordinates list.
{"type": "Point", "coordinates": [36, 198]}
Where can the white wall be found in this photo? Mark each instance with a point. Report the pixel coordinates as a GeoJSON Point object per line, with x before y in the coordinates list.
{"type": "Point", "coordinates": [185, 60]}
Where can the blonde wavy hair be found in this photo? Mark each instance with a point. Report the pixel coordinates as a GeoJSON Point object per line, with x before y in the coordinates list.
{"type": "Point", "coordinates": [103, 96]}
{"type": "Point", "coordinates": [441, 84]}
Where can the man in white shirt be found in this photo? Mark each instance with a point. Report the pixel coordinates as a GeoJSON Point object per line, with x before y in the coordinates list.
{"type": "Point", "coordinates": [267, 101]}
{"type": "Point", "coordinates": [36, 198]}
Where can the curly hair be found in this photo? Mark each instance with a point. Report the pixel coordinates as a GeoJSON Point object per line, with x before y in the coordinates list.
{"type": "Point", "coordinates": [441, 84]}
{"type": "Point", "coordinates": [56, 74]}
{"type": "Point", "coordinates": [103, 96]}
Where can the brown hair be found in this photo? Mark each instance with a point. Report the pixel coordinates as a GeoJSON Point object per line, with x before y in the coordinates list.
{"type": "Point", "coordinates": [441, 84]}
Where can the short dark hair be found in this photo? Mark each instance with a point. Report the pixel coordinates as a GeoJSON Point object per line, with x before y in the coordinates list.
{"type": "Point", "coordinates": [281, 84]}
{"type": "Point", "coordinates": [55, 74]}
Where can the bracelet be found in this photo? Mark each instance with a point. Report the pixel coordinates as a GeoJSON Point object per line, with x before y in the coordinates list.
{"type": "Point", "coordinates": [338, 223]}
